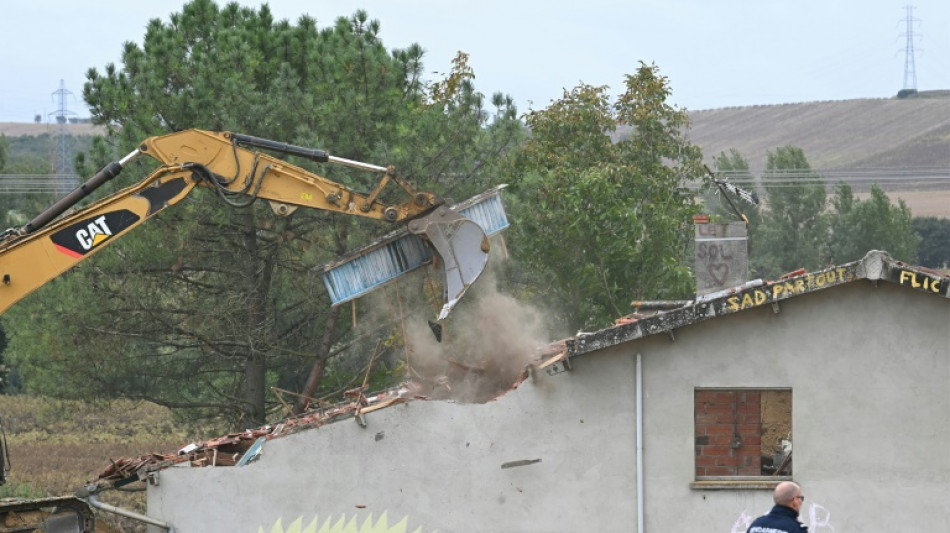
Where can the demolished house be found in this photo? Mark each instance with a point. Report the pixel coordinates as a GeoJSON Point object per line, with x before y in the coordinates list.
{"type": "Point", "coordinates": [680, 420]}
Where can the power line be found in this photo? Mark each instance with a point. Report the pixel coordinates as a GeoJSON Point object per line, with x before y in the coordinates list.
{"type": "Point", "coordinates": [925, 178]}
{"type": "Point", "coordinates": [817, 174]}
{"type": "Point", "coordinates": [37, 183]}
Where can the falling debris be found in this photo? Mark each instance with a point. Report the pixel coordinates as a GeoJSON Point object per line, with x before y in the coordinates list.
{"type": "Point", "coordinates": [253, 453]}
{"type": "Point", "coordinates": [436, 330]}
{"type": "Point", "coordinates": [523, 462]}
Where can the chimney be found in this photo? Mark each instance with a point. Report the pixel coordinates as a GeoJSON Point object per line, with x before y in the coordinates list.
{"type": "Point", "coordinates": [722, 255]}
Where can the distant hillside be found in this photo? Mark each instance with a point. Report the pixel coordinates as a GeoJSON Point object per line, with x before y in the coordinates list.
{"type": "Point", "coordinates": [901, 144]}
{"type": "Point", "coordinates": [15, 129]}
{"type": "Point", "coordinates": [847, 134]}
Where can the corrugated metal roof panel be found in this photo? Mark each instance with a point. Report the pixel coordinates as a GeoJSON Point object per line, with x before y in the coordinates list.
{"type": "Point", "coordinates": [358, 276]}
{"type": "Point", "coordinates": [401, 252]}
{"type": "Point", "coordinates": [488, 213]}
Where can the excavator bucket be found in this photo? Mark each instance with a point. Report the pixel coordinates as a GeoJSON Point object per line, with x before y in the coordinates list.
{"type": "Point", "coordinates": [462, 246]}
{"type": "Point", "coordinates": [454, 239]}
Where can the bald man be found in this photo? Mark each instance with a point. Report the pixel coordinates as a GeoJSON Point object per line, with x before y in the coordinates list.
{"type": "Point", "coordinates": [783, 518]}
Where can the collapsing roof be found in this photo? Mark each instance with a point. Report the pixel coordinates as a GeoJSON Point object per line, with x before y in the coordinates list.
{"type": "Point", "coordinates": [240, 448]}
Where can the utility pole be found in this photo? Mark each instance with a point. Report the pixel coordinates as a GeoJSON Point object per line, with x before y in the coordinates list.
{"type": "Point", "coordinates": [910, 71]}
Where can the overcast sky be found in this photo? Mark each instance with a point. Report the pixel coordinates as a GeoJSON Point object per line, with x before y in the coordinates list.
{"type": "Point", "coordinates": [716, 53]}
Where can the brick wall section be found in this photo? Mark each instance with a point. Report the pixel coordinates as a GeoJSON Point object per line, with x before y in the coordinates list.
{"type": "Point", "coordinates": [728, 432]}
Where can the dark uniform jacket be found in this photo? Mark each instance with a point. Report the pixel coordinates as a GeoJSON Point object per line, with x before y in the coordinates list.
{"type": "Point", "coordinates": [780, 519]}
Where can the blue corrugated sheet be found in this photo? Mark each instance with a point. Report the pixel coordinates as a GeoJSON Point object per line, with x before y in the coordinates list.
{"type": "Point", "coordinates": [403, 252]}
{"type": "Point", "coordinates": [488, 213]}
{"type": "Point", "coordinates": [376, 267]}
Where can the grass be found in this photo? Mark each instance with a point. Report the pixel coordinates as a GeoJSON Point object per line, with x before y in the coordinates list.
{"type": "Point", "coordinates": [57, 447]}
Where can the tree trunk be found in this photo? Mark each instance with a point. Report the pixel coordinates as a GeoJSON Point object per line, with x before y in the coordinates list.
{"type": "Point", "coordinates": [323, 353]}
{"type": "Point", "coordinates": [258, 272]}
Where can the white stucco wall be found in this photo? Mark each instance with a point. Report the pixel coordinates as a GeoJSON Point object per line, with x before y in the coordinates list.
{"type": "Point", "coordinates": [869, 369]}
{"type": "Point", "coordinates": [438, 463]}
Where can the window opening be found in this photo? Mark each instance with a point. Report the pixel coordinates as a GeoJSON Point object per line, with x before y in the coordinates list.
{"type": "Point", "coordinates": [743, 432]}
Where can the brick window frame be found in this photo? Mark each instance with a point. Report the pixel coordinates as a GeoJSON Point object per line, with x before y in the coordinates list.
{"type": "Point", "coordinates": [742, 434]}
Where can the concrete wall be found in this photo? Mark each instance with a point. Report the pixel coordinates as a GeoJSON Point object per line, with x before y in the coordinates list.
{"type": "Point", "coordinates": [869, 369]}
{"type": "Point", "coordinates": [438, 463]}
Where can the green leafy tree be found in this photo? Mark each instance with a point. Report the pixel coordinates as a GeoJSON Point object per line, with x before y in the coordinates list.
{"type": "Point", "coordinates": [27, 154]}
{"type": "Point", "coordinates": [874, 224]}
{"type": "Point", "coordinates": [4, 150]}
{"type": "Point", "coordinates": [598, 222]}
{"type": "Point", "coordinates": [934, 248]}
{"type": "Point", "coordinates": [209, 306]}
{"type": "Point", "coordinates": [30, 154]}
{"type": "Point", "coordinates": [24, 155]}
{"type": "Point", "coordinates": [794, 226]}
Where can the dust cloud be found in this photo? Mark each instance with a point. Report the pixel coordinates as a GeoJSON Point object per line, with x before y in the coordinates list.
{"type": "Point", "coordinates": [488, 341]}
{"type": "Point", "coordinates": [485, 349]}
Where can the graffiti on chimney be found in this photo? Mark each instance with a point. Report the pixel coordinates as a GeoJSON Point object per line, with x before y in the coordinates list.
{"type": "Point", "coordinates": [714, 257]}
{"type": "Point", "coordinates": [722, 258]}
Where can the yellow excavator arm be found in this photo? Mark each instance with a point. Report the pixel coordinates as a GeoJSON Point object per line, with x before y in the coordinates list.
{"type": "Point", "coordinates": [232, 165]}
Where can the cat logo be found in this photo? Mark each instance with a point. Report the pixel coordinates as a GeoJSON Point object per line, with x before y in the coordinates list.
{"type": "Point", "coordinates": [93, 234]}
{"type": "Point", "coordinates": [76, 240]}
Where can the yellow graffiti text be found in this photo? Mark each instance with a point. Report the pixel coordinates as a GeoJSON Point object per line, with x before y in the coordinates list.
{"type": "Point", "coordinates": [784, 289]}
{"type": "Point", "coordinates": [788, 287]}
{"type": "Point", "coordinates": [828, 277]}
{"type": "Point", "coordinates": [923, 282]}
{"type": "Point", "coordinates": [747, 300]}
{"type": "Point", "coordinates": [809, 282]}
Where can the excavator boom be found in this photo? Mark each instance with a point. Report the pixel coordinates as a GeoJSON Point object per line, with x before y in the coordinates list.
{"type": "Point", "coordinates": [233, 166]}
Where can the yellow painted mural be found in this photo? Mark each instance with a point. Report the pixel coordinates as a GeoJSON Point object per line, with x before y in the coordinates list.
{"type": "Point", "coordinates": [341, 525]}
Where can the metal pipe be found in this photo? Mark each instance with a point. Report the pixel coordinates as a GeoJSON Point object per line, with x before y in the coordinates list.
{"type": "Point", "coordinates": [93, 501]}
{"type": "Point", "coordinates": [732, 290]}
{"type": "Point", "coordinates": [639, 394]}
{"type": "Point", "coordinates": [356, 164]}
{"type": "Point", "coordinates": [313, 154]}
{"type": "Point", "coordinates": [107, 173]}
{"type": "Point", "coordinates": [309, 153]}
{"type": "Point", "coordinates": [660, 304]}
{"type": "Point", "coordinates": [129, 157]}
